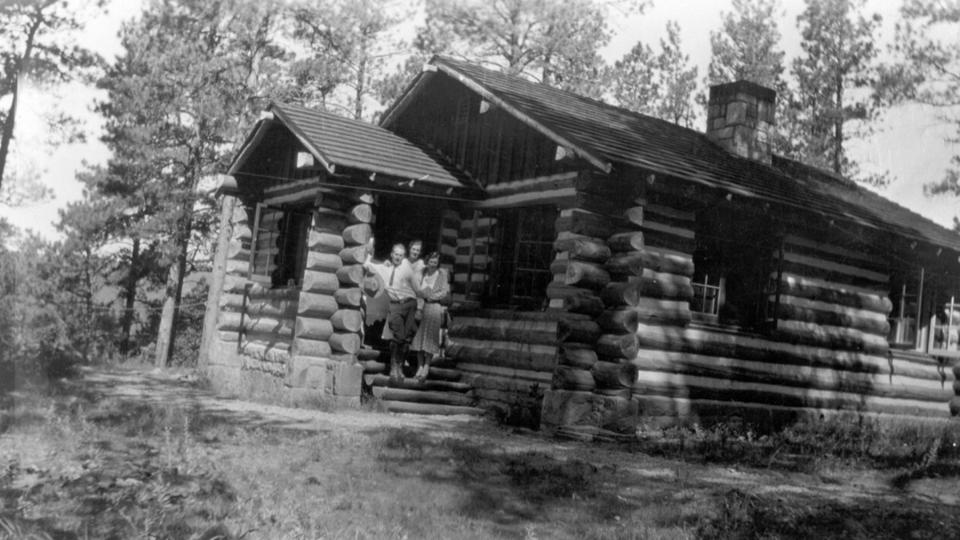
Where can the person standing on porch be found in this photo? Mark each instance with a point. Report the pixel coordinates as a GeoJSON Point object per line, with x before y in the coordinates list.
{"type": "Point", "coordinates": [403, 288]}
{"type": "Point", "coordinates": [414, 249]}
{"type": "Point", "coordinates": [435, 289]}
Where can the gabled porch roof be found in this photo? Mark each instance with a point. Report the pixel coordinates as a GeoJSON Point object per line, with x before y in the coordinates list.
{"type": "Point", "coordinates": [342, 145]}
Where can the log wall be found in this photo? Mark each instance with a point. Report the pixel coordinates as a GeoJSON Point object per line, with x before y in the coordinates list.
{"type": "Point", "coordinates": [304, 338]}
{"type": "Point", "coordinates": [472, 257]}
{"type": "Point", "coordinates": [642, 357]}
{"type": "Point", "coordinates": [253, 318]}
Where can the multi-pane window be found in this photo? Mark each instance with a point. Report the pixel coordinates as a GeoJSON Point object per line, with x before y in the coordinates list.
{"type": "Point", "coordinates": [521, 264]}
{"type": "Point", "coordinates": [278, 246]}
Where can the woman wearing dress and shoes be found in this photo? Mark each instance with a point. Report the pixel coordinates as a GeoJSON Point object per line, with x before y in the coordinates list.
{"type": "Point", "coordinates": [435, 290]}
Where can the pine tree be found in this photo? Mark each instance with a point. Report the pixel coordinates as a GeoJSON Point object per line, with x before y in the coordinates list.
{"type": "Point", "coordinates": [661, 85]}
{"type": "Point", "coordinates": [834, 77]}
{"type": "Point", "coordinates": [554, 42]}
{"type": "Point", "coordinates": [35, 44]}
{"type": "Point", "coordinates": [190, 81]}
{"type": "Point", "coordinates": [349, 42]}
{"type": "Point", "coordinates": [926, 69]}
{"type": "Point", "coordinates": [747, 46]}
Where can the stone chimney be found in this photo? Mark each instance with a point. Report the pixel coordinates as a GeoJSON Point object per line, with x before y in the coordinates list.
{"type": "Point", "coordinates": [740, 118]}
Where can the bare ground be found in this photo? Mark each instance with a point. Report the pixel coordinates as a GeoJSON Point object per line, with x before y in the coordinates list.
{"type": "Point", "coordinates": [264, 471]}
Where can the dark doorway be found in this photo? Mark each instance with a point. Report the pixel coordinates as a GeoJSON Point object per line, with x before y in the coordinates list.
{"type": "Point", "coordinates": [402, 218]}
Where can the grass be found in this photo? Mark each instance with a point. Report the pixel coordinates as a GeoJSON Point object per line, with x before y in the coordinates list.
{"type": "Point", "coordinates": [78, 465]}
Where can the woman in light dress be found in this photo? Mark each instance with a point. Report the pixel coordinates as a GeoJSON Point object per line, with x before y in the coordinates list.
{"type": "Point", "coordinates": [435, 287]}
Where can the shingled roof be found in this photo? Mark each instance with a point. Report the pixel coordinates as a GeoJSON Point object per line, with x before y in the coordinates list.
{"type": "Point", "coordinates": [608, 136]}
{"type": "Point", "coordinates": [338, 142]}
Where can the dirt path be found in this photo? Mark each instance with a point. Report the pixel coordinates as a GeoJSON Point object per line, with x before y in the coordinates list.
{"type": "Point", "coordinates": [839, 485]}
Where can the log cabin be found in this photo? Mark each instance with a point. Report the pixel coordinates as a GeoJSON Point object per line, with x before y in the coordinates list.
{"type": "Point", "coordinates": [609, 269]}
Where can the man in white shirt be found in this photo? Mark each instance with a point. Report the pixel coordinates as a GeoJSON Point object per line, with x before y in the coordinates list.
{"type": "Point", "coordinates": [402, 285]}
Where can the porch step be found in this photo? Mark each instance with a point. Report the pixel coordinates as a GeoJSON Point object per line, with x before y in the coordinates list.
{"type": "Point", "coordinates": [388, 393]}
{"type": "Point", "coordinates": [376, 380]}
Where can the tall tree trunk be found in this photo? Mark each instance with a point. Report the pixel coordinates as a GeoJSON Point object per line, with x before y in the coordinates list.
{"type": "Point", "coordinates": [838, 128]}
{"type": "Point", "coordinates": [361, 75]}
{"type": "Point", "coordinates": [131, 296]}
{"type": "Point", "coordinates": [7, 134]}
{"type": "Point", "coordinates": [171, 304]}
{"type": "Point", "coordinates": [217, 273]}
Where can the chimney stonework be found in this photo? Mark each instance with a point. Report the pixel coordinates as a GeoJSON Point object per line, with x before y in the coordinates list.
{"type": "Point", "coordinates": [740, 118]}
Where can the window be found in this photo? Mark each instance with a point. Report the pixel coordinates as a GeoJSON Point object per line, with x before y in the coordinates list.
{"type": "Point", "coordinates": [521, 260]}
{"type": "Point", "coordinates": [733, 261]}
{"type": "Point", "coordinates": [905, 318]}
{"type": "Point", "coordinates": [279, 244]}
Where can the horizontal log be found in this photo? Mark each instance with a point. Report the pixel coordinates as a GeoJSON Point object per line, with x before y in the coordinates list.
{"type": "Point", "coordinates": [348, 297]}
{"type": "Point", "coordinates": [231, 322]}
{"type": "Point", "coordinates": [834, 293]}
{"type": "Point", "coordinates": [516, 355]}
{"type": "Point", "coordinates": [834, 337]}
{"type": "Point", "coordinates": [633, 263]}
{"type": "Point", "coordinates": [261, 291]}
{"type": "Point", "coordinates": [587, 275]}
{"type": "Point", "coordinates": [329, 221]}
{"type": "Point", "coordinates": [345, 342]}
{"type": "Point", "coordinates": [634, 215]}
{"type": "Point", "coordinates": [626, 241]}
{"type": "Point", "coordinates": [875, 384]}
{"type": "Point", "coordinates": [414, 384]}
{"type": "Point", "coordinates": [231, 301]}
{"type": "Point", "coordinates": [834, 251]}
{"type": "Point", "coordinates": [578, 355]}
{"type": "Point", "coordinates": [520, 374]}
{"type": "Point", "coordinates": [325, 242]}
{"type": "Point", "coordinates": [421, 396]}
{"type": "Point", "coordinates": [663, 285]}
{"type": "Point", "coordinates": [724, 344]}
{"type": "Point", "coordinates": [707, 388]}
{"type": "Point", "coordinates": [242, 232]}
{"type": "Point", "coordinates": [357, 235]}
{"type": "Point", "coordinates": [580, 331]}
{"type": "Point", "coordinates": [617, 345]}
{"type": "Point", "coordinates": [237, 251]}
{"type": "Point", "coordinates": [237, 268]}
{"type": "Point", "coordinates": [353, 255]}
{"type": "Point", "coordinates": [584, 248]}
{"type": "Point", "coordinates": [827, 267]}
{"type": "Point", "coordinates": [430, 408]}
{"type": "Point", "coordinates": [585, 223]}
{"type": "Point", "coordinates": [663, 311]}
{"type": "Point", "coordinates": [619, 321]}
{"type": "Point", "coordinates": [347, 320]}
{"type": "Point", "coordinates": [317, 329]}
{"type": "Point", "coordinates": [311, 347]}
{"type": "Point", "coordinates": [571, 378]}
{"type": "Point", "coordinates": [323, 262]}
{"type": "Point", "coordinates": [361, 213]}
{"type": "Point", "coordinates": [586, 304]}
{"type": "Point", "coordinates": [351, 275]}
{"type": "Point", "coordinates": [320, 282]}
{"type": "Point", "coordinates": [513, 386]}
{"type": "Point", "coordinates": [613, 375]}
{"type": "Point", "coordinates": [557, 290]}
{"type": "Point", "coordinates": [662, 408]}
{"type": "Point", "coordinates": [626, 263]}
{"type": "Point", "coordinates": [483, 328]}
{"type": "Point", "coordinates": [620, 293]}
{"type": "Point", "coordinates": [277, 309]}
{"type": "Point", "coordinates": [802, 309]}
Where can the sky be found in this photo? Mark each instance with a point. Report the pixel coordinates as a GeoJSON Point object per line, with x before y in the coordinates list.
{"type": "Point", "coordinates": [909, 142]}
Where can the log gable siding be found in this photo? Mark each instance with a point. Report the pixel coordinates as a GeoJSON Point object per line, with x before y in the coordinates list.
{"type": "Point", "coordinates": [492, 147]}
